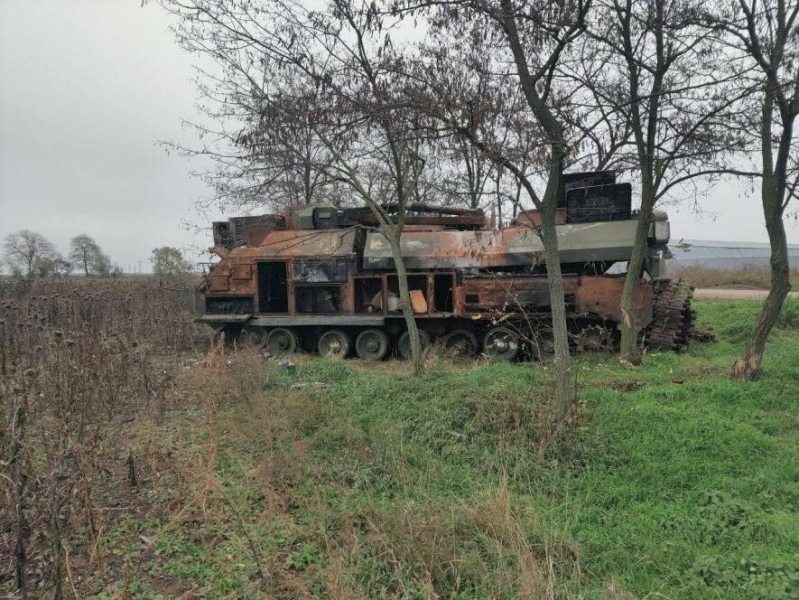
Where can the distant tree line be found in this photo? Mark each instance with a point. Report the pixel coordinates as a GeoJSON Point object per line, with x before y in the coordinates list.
{"type": "Point", "coordinates": [28, 255]}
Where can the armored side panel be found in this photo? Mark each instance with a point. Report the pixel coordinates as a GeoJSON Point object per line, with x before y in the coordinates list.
{"type": "Point", "coordinates": [599, 203]}
{"type": "Point", "coordinates": [305, 243]}
{"type": "Point", "coordinates": [255, 279]}
{"type": "Point", "coordinates": [512, 247]}
{"type": "Point", "coordinates": [582, 180]}
{"type": "Point", "coordinates": [234, 232]}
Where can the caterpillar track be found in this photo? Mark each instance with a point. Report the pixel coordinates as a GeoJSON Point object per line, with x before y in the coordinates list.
{"type": "Point", "coordinates": [672, 317]}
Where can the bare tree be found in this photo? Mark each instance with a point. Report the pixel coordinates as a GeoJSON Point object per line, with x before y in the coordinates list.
{"type": "Point", "coordinates": [344, 56]}
{"type": "Point", "coordinates": [24, 249]}
{"type": "Point", "coordinates": [460, 174]}
{"type": "Point", "coordinates": [765, 35]}
{"type": "Point", "coordinates": [261, 159]}
{"type": "Point", "coordinates": [665, 76]}
{"type": "Point", "coordinates": [532, 37]}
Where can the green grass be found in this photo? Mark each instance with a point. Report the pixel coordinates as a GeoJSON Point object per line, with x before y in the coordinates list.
{"type": "Point", "coordinates": [674, 481]}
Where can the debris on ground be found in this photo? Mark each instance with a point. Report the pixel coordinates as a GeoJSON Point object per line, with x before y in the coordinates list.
{"type": "Point", "coordinates": [314, 385]}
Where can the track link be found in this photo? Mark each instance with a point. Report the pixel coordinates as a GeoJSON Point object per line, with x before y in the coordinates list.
{"type": "Point", "coordinates": [672, 317]}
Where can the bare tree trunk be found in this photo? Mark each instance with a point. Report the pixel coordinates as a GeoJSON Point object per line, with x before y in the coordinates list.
{"type": "Point", "coordinates": [564, 388]}
{"type": "Point", "coordinates": [517, 200]}
{"type": "Point", "coordinates": [405, 305]}
{"type": "Point", "coordinates": [630, 350]}
{"type": "Point", "coordinates": [499, 203]}
{"type": "Point", "coordinates": [306, 182]}
{"type": "Point", "coordinates": [748, 367]}
{"type": "Point", "coordinates": [772, 191]}
{"type": "Point", "coordinates": [393, 233]}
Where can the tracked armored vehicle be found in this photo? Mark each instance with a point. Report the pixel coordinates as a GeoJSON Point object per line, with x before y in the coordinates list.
{"type": "Point", "coordinates": [323, 278]}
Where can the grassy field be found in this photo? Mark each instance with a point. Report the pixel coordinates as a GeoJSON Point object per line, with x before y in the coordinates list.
{"type": "Point", "coordinates": [353, 480]}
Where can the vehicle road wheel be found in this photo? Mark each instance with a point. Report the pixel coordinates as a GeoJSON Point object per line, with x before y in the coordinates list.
{"type": "Point", "coordinates": [334, 344]}
{"type": "Point", "coordinates": [404, 344]}
{"type": "Point", "coordinates": [501, 343]}
{"type": "Point", "coordinates": [461, 343]}
{"type": "Point", "coordinates": [594, 338]}
{"type": "Point", "coordinates": [372, 344]}
{"type": "Point", "coordinates": [254, 335]}
{"type": "Point", "coordinates": [282, 341]}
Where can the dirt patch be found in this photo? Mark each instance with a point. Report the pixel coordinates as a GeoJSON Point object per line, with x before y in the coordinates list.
{"type": "Point", "coordinates": [734, 294]}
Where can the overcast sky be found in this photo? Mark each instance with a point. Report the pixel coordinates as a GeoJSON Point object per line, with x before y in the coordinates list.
{"type": "Point", "coordinates": [88, 87]}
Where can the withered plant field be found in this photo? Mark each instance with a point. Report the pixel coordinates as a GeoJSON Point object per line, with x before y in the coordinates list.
{"type": "Point", "coordinates": [139, 461]}
{"type": "Point", "coordinates": [79, 361]}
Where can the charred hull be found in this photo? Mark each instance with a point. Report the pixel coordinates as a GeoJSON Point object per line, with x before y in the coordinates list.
{"type": "Point", "coordinates": [323, 279]}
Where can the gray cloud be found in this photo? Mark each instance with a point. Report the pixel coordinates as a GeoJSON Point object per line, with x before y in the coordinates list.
{"type": "Point", "coordinates": [86, 90]}
{"type": "Point", "coordinates": [87, 87]}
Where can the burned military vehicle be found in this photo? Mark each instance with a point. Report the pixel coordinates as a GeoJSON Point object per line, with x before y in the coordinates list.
{"type": "Point", "coordinates": [323, 278]}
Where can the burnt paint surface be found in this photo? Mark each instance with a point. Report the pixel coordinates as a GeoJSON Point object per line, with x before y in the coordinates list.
{"type": "Point", "coordinates": [602, 296]}
{"type": "Point", "coordinates": [316, 258]}
{"type": "Point", "coordinates": [510, 292]}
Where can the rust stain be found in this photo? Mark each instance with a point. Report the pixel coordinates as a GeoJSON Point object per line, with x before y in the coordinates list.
{"type": "Point", "coordinates": [601, 296]}
{"type": "Point", "coordinates": [533, 218]}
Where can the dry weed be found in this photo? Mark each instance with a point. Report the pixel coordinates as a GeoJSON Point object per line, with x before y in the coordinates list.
{"type": "Point", "coordinates": [483, 546]}
{"type": "Point", "coordinates": [77, 359]}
